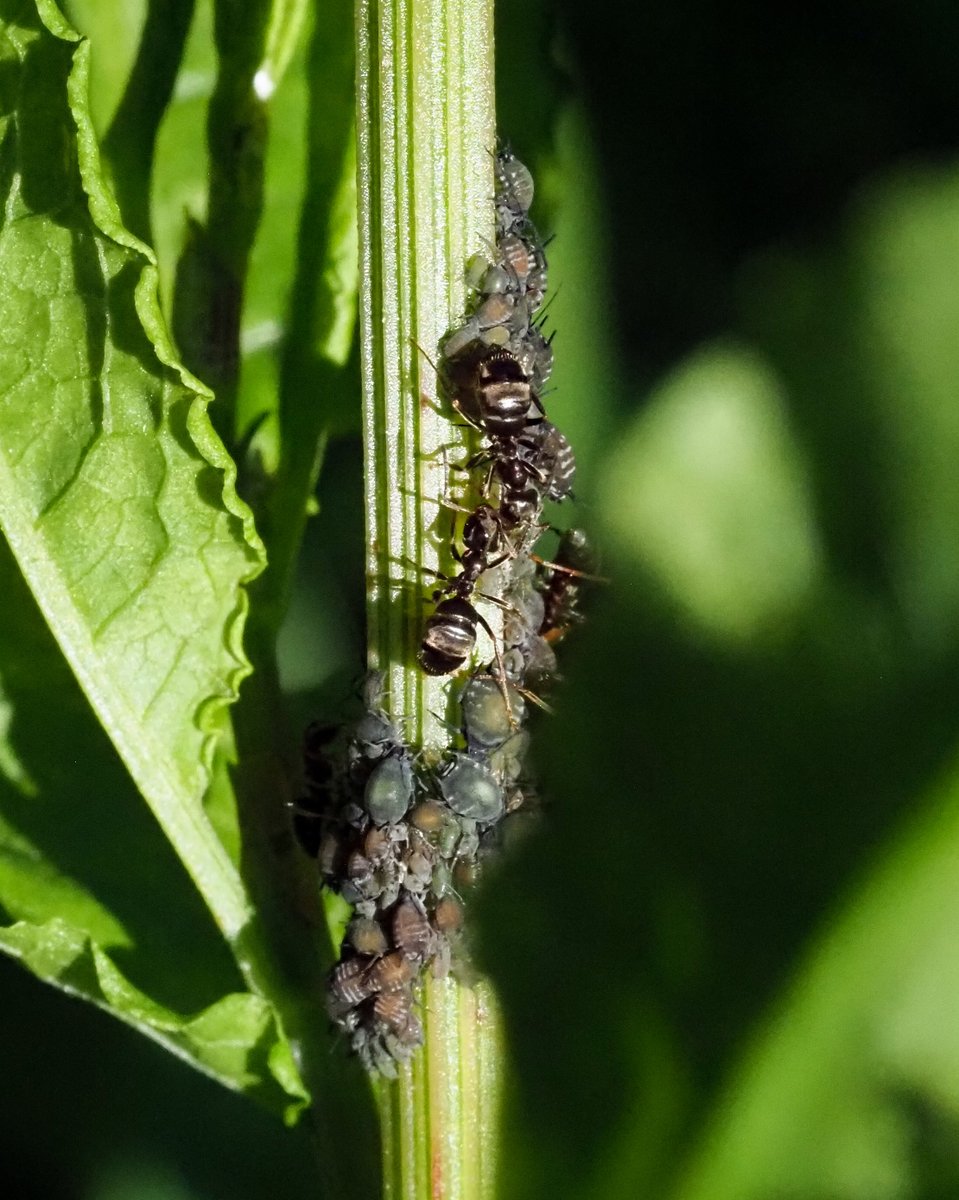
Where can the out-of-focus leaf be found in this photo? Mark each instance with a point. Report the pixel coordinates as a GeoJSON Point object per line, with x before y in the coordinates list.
{"type": "Point", "coordinates": [585, 389]}
{"type": "Point", "coordinates": [115, 494]}
{"type": "Point", "coordinates": [716, 793]}
{"type": "Point", "coordinates": [709, 496]}
{"type": "Point", "coordinates": [822, 1105]}
{"type": "Point", "coordinates": [235, 1040]}
{"type": "Point", "coordinates": [295, 382]}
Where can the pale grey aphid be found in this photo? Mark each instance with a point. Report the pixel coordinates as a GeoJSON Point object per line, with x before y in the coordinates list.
{"type": "Point", "coordinates": [538, 275]}
{"type": "Point", "coordinates": [470, 789]}
{"type": "Point", "coordinates": [441, 882]}
{"type": "Point", "coordinates": [419, 871]}
{"type": "Point", "coordinates": [389, 789]}
{"type": "Point", "coordinates": [469, 840]}
{"type": "Point", "coordinates": [508, 761]}
{"type": "Point", "coordinates": [555, 459]}
{"type": "Point", "coordinates": [374, 734]}
{"type": "Point", "coordinates": [486, 723]}
{"type": "Point", "coordinates": [535, 354]}
{"type": "Point", "coordinates": [514, 190]}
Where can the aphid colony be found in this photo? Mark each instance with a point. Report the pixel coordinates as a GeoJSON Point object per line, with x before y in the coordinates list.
{"type": "Point", "coordinates": [400, 840]}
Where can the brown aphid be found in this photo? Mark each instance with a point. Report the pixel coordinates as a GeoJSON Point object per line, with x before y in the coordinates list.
{"type": "Point", "coordinates": [382, 842]}
{"type": "Point", "coordinates": [376, 844]}
{"type": "Point", "coordinates": [366, 936]}
{"type": "Point", "coordinates": [514, 254]}
{"type": "Point", "coordinates": [350, 981]}
{"type": "Point", "coordinates": [329, 855]}
{"type": "Point", "coordinates": [448, 915]}
{"type": "Point", "coordinates": [419, 872]}
{"type": "Point", "coordinates": [359, 868]}
{"type": "Point", "coordinates": [428, 816]}
{"type": "Point", "coordinates": [392, 972]}
{"type": "Point", "coordinates": [412, 932]}
{"type": "Point", "coordinates": [395, 1010]}
{"type": "Point", "coordinates": [466, 874]}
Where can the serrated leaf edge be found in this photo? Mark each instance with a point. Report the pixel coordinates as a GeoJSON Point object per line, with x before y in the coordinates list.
{"type": "Point", "coordinates": [105, 213]}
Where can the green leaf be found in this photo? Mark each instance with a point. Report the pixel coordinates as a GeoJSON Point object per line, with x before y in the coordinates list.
{"type": "Point", "coordinates": [117, 498]}
{"type": "Point", "coordinates": [708, 494]}
{"type": "Point", "coordinates": [872, 1021]}
{"type": "Point", "coordinates": [235, 1040]}
{"type": "Point", "coordinates": [85, 871]}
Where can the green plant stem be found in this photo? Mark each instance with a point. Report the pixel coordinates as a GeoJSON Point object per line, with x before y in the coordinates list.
{"type": "Point", "coordinates": [254, 41]}
{"type": "Point", "coordinates": [425, 132]}
{"type": "Point", "coordinates": [131, 140]}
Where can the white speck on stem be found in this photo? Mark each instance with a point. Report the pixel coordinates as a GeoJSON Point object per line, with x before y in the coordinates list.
{"type": "Point", "coordinates": [264, 84]}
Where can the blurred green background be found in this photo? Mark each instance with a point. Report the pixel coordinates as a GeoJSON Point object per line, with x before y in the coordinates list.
{"type": "Point", "coordinates": [729, 964]}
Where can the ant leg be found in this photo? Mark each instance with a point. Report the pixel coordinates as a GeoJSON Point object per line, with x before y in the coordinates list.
{"type": "Point", "coordinates": [501, 666]}
{"type": "Point", "coordinates": [554, 566]}
{"type": "Point", "coordinates": [466, 417]}
{"type": "Point", "coordinates": [527, 694]}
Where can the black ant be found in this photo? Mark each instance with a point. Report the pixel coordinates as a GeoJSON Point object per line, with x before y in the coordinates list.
{"type": "Point", "coordinates": [450, 633]}
{"type": "Point", "coordinates": [489, 387]}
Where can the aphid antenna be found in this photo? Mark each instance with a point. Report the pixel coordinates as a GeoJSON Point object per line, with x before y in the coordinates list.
{"type": "Point", "coordinates": [297, 807]}
{"type": "Point", "coordinates": [443, 721]}
{"type": "Point", "coordinates": [454, 403]}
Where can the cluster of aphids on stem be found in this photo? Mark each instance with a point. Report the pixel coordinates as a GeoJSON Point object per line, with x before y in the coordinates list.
{"type": "Point", "coordinates": [403, 841]}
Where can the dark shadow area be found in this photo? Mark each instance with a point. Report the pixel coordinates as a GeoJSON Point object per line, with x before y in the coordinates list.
{"type": "Point", "coordinates": [151, 1116]}
{"type": "Point", "coordinates": [720, 130]}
